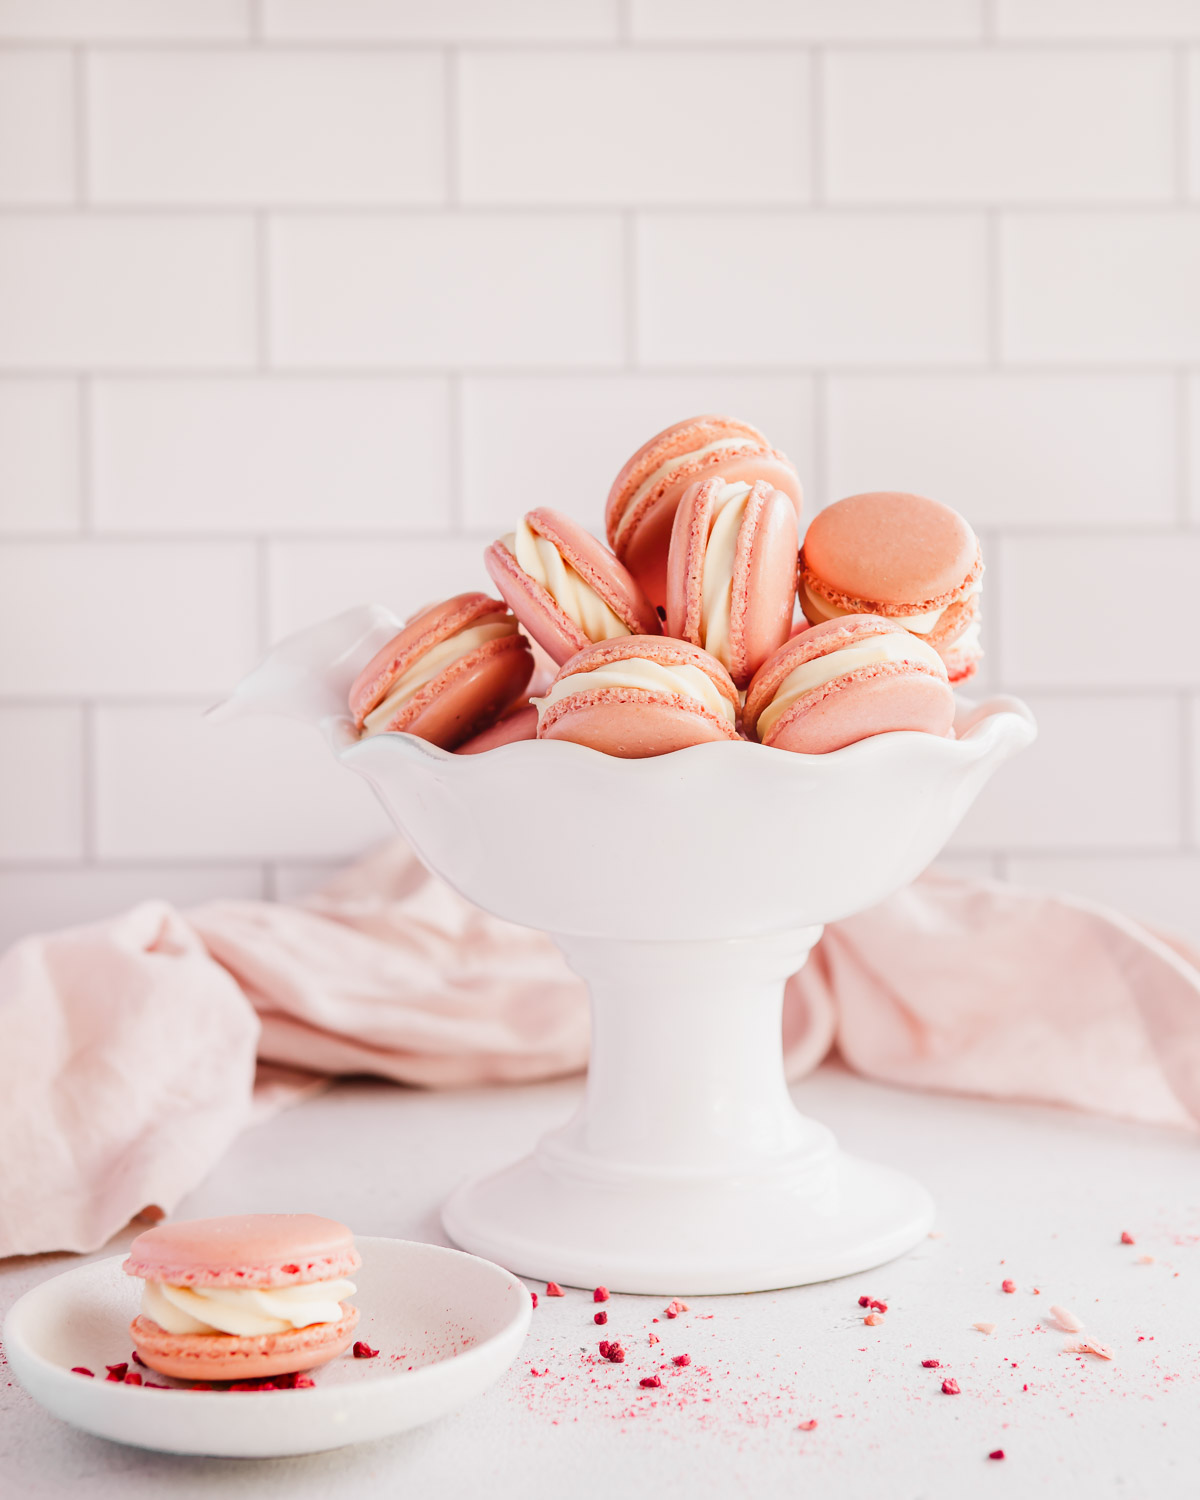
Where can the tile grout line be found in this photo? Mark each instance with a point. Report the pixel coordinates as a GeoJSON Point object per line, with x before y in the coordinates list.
{"type": "Point", "coordinates": [820, 454]}
{"type": "Point", "coordinates": [262, 584]}
{"type": "Point", "coordinates": [992, 259]}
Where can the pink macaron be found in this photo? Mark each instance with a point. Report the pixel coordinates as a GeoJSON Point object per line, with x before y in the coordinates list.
{"type": "Point", "coordinates": [845, 680]}
{"type": "Point", "coordinates": [640, 696]}
{"type": "Point", "coordinates": [517, 723]}
{"type": "Point", "coordinates": [450, 673]}
{"type": "Point", "coordinates": [908, 558]}
{"type": "Point", "coordinates": [565, 587]}
{"type": "Point", "coordinates": [243, 1297]}
{"type": "Point", "coordinates": [731, 572]}
{"type": "Point", "coordinates": [641, 504]}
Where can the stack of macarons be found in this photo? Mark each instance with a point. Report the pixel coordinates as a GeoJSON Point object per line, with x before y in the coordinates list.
{"type": "Point", "coordinates": [683, 632]}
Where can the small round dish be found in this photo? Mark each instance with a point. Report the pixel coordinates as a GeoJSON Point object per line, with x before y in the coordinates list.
{"type": "Point", "coordinates": [446, 1326]}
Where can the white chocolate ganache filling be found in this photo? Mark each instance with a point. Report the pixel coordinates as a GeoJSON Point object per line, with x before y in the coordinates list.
{"type": "Point", "coordinates": [819, 610]}
{"type": "Point", "coordinates": [672, 466]}
{"type": "Point", "coordinates": [243, 1310]}
{"type": "Point", "coordinates": [716, 589]}
{"type": "Point", "coordinates": [435, 660]}
{"type": "Point", "coordinates": [545, 564]}
{"type": "Point", "coordinates": [650, 676]}
{"type": "Point", "coordinates": [872, 652]}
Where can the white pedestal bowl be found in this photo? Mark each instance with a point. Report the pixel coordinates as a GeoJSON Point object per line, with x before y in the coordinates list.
{"type": "Point", "coordinates": [685, 890]}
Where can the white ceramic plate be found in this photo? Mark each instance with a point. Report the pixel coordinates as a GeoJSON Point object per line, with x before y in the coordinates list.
{"type": "Point", "coordinates": [446, 1326]}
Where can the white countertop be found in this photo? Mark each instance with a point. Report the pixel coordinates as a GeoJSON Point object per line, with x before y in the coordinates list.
{"type": "Point", "coordinates": [1034, 1194]}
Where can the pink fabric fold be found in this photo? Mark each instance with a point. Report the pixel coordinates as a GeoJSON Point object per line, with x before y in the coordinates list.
{"type": "Point", "coordinates": [128, 1049]}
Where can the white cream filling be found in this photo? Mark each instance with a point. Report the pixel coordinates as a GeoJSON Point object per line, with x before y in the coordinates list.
{"type": "Point", "coordinates": [818, 610]}
{"type": "Point", "coordinates": [244, 1310]}
{"type": "Point", "coordinates": [968, 641]}
{"type": "Point", "coordinates": [545, 564]}
{"type": "Point", "coordinates": [652, 676]}
{"type": "Point", "coordinates": [823, 669]}
{"type": "Point", "coordinates": [716, 588]}
{"type": "Point", "coordinates": [672, 466]}
{"type": "Point", "coordinates": [435, 660]}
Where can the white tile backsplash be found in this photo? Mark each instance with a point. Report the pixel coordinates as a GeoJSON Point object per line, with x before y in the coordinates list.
{"type": "Point", "coordinates": [810, 289]}
{"type": "Point", "coordinates": [270, 456]}
{"type": "Point", "coordinates": [631, 127]}
{"type": "Point", "coordinates": [959, 126]}
{"type": "Point", "coordinates": [291, 127]}
{"type": "Point", "coordinates": [303, 301]}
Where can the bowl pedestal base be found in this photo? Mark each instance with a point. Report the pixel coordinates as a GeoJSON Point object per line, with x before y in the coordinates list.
{"type": "Point", "coordinates": [687, 1169]}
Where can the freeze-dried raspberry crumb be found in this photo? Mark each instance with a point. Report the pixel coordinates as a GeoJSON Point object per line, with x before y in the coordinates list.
{"type": "Point", "coordinates": [600, 1294]}
{"type": "Point", "coordinates": [650, 1382]}
{"type": "Point", "coordinates": [931, 1364]}
{"type": "Point", "coordinates": [154, 1385]}
{"type": "Point", "coordinates": [1008, 1286]}
{"type": "Point", "coordinates": [996, 1453]}
{"type": "Point", "coordinates": [675, 1307]}
{"type": "Point", "coordinates": [133, 1378]}
{"type": "Point", "coordinates": [304, 1382]}
{"type": "Point", "coordinates": [534, 1296]}
{"type": "Point", "coordinates": [951, 1388]}
{"type": "Point", "coordinates": [864, 1302]}
{"type": "Point", "coordinates": [682, 1359]}
{"type": "Point", "coordinates": [600, 1317]}
{"type": "Point", "coordinates": [554, 1290]}
{"type": "Point", "coordinates": [880, 1307]}
{"type": "Point", "coordinates": [873, 1318]}
{"type": "Point", "coordinates": [137, 1359]}
{"type": "Point", "coordinates": [1127, 1238]}
{"type": "Point", "coordinates": [364, 1351]}
{"type": "Point", "coordinates": [82, 1370]}
{"type": "Point", "coordinates": [290, 1270]}
{"type": "Point", "coordinates": [985, 1327]}
{"type": "Point", "coordinates": [117, 1372]}
{"type": "Point", "coordinates": [253, 1385]}
{"type": "Point", "coordinates": [809, 1425]}
{"type": "Point", "coordinates": [611, 1352]}
{"type": "Point", "coordinates": [654, 1336]}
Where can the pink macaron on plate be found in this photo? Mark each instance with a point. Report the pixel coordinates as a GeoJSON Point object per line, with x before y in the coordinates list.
{"type": "Point", "coordinates": [446, 1326]}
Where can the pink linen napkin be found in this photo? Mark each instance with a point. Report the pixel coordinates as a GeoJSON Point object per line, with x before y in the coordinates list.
{"type": "Point", "coordinates": [127, 1060]}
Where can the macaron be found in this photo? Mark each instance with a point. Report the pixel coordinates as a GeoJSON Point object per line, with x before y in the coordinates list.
{"type": "Point", "coordinates": [845, 680]}
{"type": "Point", "coordinates": [640, 696]}
{"type": "Point", "coordinates": [641, 504]}
{"type": "Point", "coordinates": [451, 672]}
{"type": "Point", "coordinates": [515, 724]}
{"type": "Point", "coordinates": [565, 587]}
{"type": "Point", "coordinates": [731, 572]}
{"type": "Point", "coordinates": [243, 1297]}
{"type": "Point", "coordinates": [908, 558]}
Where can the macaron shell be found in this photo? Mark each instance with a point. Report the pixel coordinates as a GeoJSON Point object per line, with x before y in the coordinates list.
{"type": "Point", "coordinates": [659, 649]}
{"type": "Point", "coordinates": [244, 1250]}
{"type": "Point", "coordinates": [681, 437]}
{"type": "Point", "coordinates": [598, 568]}
{"type": "Point", "coordinates": [764, 574]}
{"type": "Point", "coordinates": [962, 661]}
{"type": "Point", "coordinates": [550, 626]}
{"type": "Point", "coordinates": [872, 700]}
{"type": "Point", "coordinates": [764, 583]}
{"type": "Point", "coordinates": [517, 724]}
{"type": "Point", "coordinates": [633, 724]}
{"type": "Point", "coordinates": [469, 695]}
{"type": "Point", "coordinates": [644, 548]}
{"type": "Point", "coordinates": [227, 1356]}
{"type": "Point", "coordinates": [424, 630]}
{"type": "Point", "coordinates": [958, 617]}
{"type": "Point", "coordinates": [889, 552]}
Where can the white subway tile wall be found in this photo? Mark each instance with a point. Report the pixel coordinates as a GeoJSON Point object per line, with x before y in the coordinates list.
{"type": "Point", "coordinates": [302, 301]}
